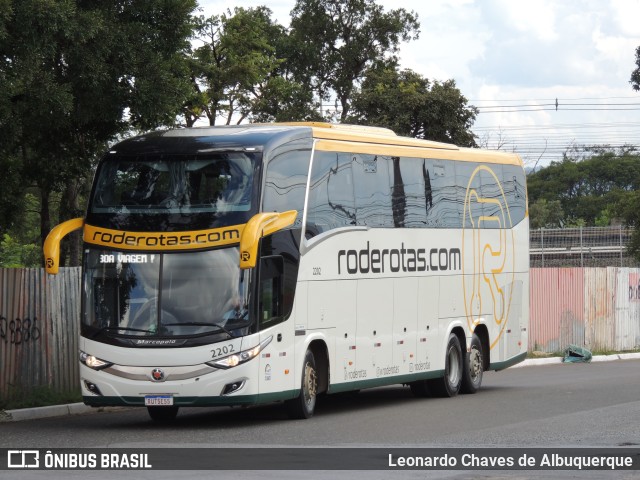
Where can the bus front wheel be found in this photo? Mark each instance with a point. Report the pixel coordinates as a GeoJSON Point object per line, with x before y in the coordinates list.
{"type": "Point", "coordinates": [303, 406]}
{"type": "Point", "coordinates": [449, 385]}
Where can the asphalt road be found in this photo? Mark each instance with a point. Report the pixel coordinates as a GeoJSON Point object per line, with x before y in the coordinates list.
{"type": "Point", "coordinates": [566, 405]}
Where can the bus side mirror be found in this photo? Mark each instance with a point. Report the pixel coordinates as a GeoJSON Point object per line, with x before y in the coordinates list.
{"type": "Point", "coordinates": [51, 246]}
{"type": "Point", "coordinates": [261, 225]}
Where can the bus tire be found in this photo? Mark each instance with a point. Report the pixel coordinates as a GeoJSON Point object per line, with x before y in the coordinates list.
{"type": "Point", "coordinates": [163, 414]}
{"type": "Point", "coordinates": [472, 371]}
{"type": "Point", "coordinates": [303, 406]}
{"type": "Point", "coordinates": [449, 385]}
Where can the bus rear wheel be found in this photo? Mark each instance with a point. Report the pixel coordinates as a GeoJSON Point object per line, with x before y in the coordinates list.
{"type": "Point", "coordinates": [303, 406]}
{"type": "Point", "coordinates": [449, 385]}
{"type": "Point", "coordinates": [163, 414]}
{"type": "Point", "coordinates": [472, 373]}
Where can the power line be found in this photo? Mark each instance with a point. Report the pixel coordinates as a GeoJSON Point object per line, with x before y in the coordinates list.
{"type": "Point", "coordinates": [480, 110]}
{"type": "Point", "coordinates": [560, 126]}
{"type": "Point", "coordinates": [560, 104]}
{"type": "Point", "coordinates": [554, 99]}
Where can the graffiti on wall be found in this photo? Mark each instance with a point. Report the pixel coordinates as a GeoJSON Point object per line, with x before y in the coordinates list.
{"type": "Point", "coordinates": [19, 331]}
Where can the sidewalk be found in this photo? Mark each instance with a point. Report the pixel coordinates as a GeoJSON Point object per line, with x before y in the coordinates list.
{"type": "Point", "coordinates": [81, 408]}
{"type": "Point", "coordinates": [598, 358]}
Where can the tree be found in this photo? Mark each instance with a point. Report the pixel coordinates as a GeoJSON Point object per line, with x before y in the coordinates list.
{"type": "Point", "coordinates": [239, 72]}
{"type": "Point", "coordinates": [337, 41]}
{"type": "Point", "coordinates": [546, 214]}
{"type": "Point", "coordinates": [589, 190]}
{"type": "Point", "coordinates": [74, 75]}
{"type": "Point", "coordinates": [635, 75]}
{"type": "Point", "coordinates": [409, 104]}
{"type": "Point", "coordinates": [19, 245]}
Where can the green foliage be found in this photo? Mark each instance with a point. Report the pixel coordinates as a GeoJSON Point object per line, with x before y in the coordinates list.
{"type": "Point", "coordinates": [69, 71]}
{"type": "Point", "coordinates": [606, 216]}
{"type": "Point", "coordinates": [13, 254]}
{"type": "Point", "coordinates": [19, 247]}
{"type": "Point", "coordinates": [20, 397]}
{"type": "Point", "coordinates": [629, 210]}
{"type": "Point", "coordinates": [635, 75]}
{"type": "Point", "coordinates": [239, 71]}
{"type": "Point", "coordinates": [337, 41]}
{"type": "Point", "coordinates": [590, 189]}
{"type": "Point", "coordinates": [410, 105]}
{"type": "Point", "coordinates": [283, 100]}
{"type": "Point", "coordinates": [546, 214]}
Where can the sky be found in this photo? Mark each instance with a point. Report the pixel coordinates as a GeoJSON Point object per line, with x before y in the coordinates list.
{"type": "Point", "coordinates": [513, 59]}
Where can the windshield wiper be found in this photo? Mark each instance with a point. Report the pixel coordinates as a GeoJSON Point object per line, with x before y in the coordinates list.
{"type": "Point", "coordinates": [198, 324]}
{"type": "Point", "coordinates": [127, 329]}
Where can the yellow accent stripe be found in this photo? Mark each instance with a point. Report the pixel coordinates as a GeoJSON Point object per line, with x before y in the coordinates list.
{"type": "Point", "coordinates": [417, 150]}
{"type": "Point", "coordinates": [361, 133]}
{"type": "Point", "coordinates": [163, 241]}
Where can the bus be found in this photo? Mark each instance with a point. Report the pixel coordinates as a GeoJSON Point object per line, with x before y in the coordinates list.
{"type": "Point", "coordinates": [251, 264]}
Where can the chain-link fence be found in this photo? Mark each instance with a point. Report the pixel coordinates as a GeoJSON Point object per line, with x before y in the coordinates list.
{"type": "Point", "coordinates": [581, 247]}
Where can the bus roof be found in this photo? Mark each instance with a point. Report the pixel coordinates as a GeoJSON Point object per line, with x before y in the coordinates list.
{"type": "Point", "coordinates": [330, 137]}
{"type": "Point", "coordinates": [382, 141]}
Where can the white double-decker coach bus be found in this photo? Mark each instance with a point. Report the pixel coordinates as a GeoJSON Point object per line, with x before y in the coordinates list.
{"type": "Point", "coordinates": [261, 263]}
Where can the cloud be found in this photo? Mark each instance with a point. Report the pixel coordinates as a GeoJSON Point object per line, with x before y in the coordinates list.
{"type": "Point", "coordinates": [627, 13]}
{"type": "Point", "coordinates": [563, 43]}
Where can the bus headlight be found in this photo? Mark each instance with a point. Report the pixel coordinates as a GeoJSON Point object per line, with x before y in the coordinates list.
{"type": "Point", "coordinates": [240, 358]}
{"type": "Point", "coordinates": [93, 362]}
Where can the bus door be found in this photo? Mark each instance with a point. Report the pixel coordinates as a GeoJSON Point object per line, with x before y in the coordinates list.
{"type": "Point", "coordinates": [277, 361]}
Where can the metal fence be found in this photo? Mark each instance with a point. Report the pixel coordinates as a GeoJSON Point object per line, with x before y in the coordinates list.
{"type": "Point", "coordinates": [39, 324]}
{"type": "Point", "coordinates": [598, 308]}
{"type": "Point", "coordinates": [581, 247]}
{"type": "Point", "coordinates": [39, 319]}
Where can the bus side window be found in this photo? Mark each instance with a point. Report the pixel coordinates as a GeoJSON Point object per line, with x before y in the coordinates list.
{"type": "Point", "coordinates": [271, 297]}
{"type": "Point", "coordinates": [444, 209]}
{"type": "Point", "coordinates": [495, 208]}
{"type": "Point", "coordinates": [411, 191]}
{"type": "Point", "coordinates": [286, 183]}
{"type": "Point", "coordinates": [373, 194]}
{"type": "Point", "coordinates": [515, 191]}
{"type": "Point", "coordinates": [331, 197]}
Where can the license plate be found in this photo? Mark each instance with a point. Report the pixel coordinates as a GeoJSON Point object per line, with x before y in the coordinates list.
{"type": "Point", "coordinates": [158, 400]}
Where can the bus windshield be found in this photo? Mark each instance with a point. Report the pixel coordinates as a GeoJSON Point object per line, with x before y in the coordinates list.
{"type": "Point", "coordinates": [165, 295]}
{"type": "Point", "coordinates": [134, 191]}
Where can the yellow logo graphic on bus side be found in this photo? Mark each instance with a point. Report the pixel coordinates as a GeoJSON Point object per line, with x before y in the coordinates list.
{"type": "Point", "coordinates": [163, 241]}
{"type": "Point", "coordinates": [487, 279]}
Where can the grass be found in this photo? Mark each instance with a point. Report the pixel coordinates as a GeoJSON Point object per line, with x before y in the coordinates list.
{"type": "Point", "coordinates": [21, 397]}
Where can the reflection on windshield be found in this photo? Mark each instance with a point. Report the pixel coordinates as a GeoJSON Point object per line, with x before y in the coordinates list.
{"type": "Point", "coordinates": [165, 295]}
{"type": "Point", "coordinates": [216, 184]}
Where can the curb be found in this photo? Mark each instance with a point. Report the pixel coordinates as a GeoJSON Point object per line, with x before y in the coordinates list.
{"type": "Point", "coordinates": [530, 362]}
{"type": "Point", "coordinates": [81, 408]}
{"type": "Point", "coordinates": [52, 411]}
